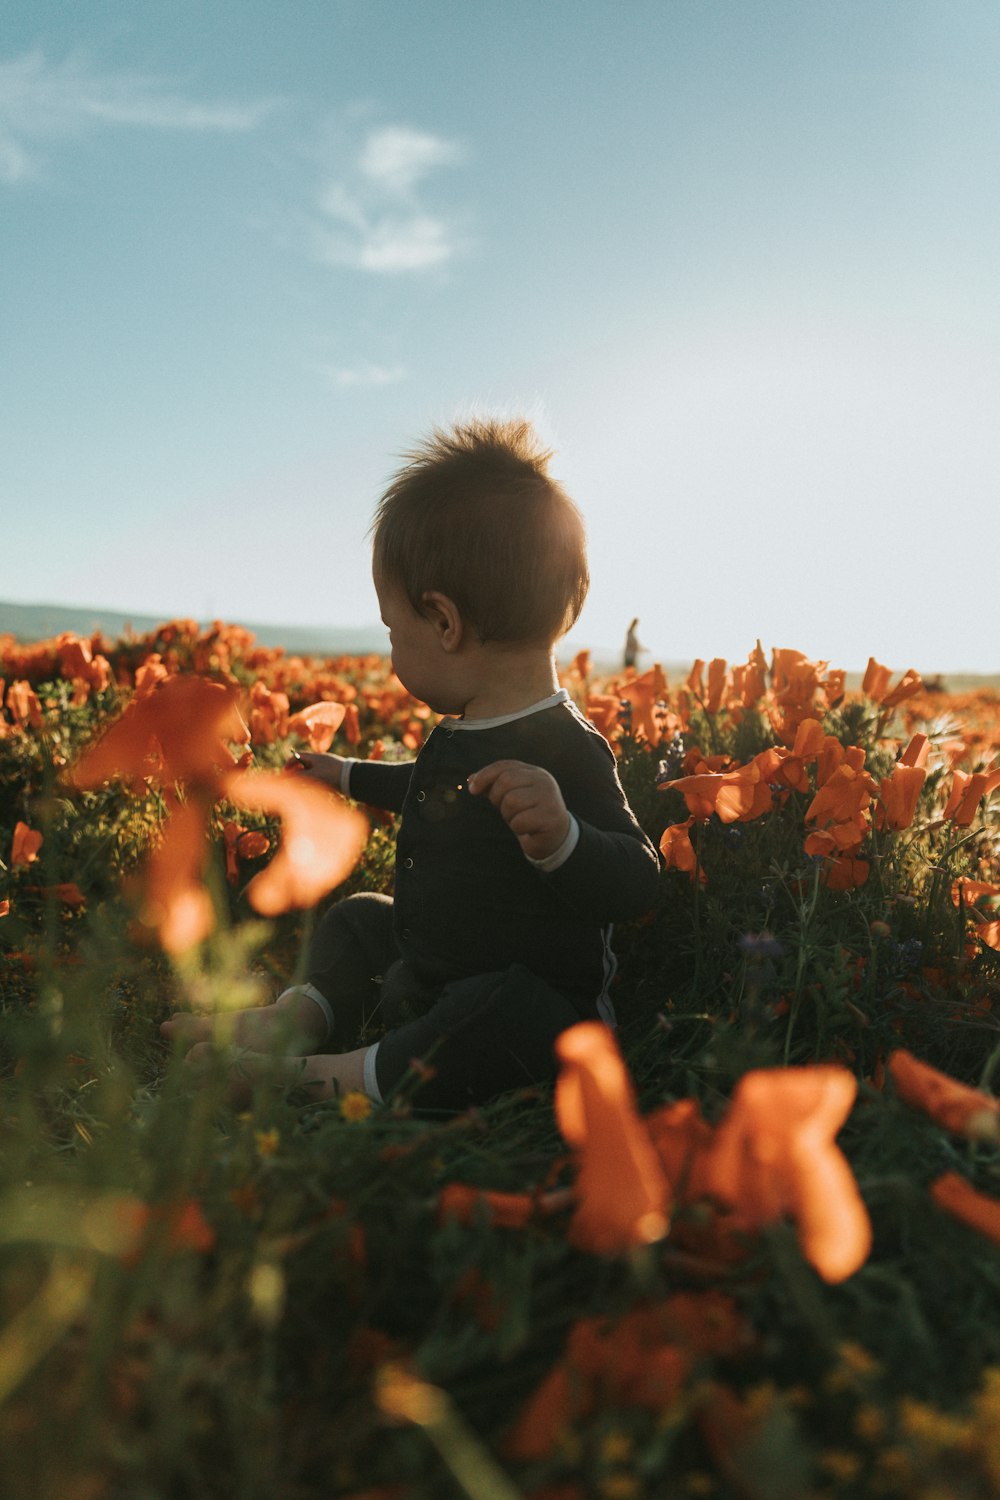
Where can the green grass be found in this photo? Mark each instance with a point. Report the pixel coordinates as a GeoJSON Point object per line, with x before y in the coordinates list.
{"type": "Point", "coordinates": [270, 1306]}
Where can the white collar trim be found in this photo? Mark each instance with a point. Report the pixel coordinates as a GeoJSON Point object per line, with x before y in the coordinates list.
{"type": "Point", "coordinates": [562, 696]}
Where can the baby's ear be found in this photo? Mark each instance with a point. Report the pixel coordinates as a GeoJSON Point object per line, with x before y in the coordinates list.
{"type": "Point", "coordinates": [446, 618]}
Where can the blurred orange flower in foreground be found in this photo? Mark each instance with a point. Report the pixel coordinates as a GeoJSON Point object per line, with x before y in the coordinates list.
{"type": "Point", "coordinates": [178, 731]}
{"type": "Point", "coordinates": [175, 903]}
{"type": "Point", "coordinates": [623, 1197]}
{"type": "Point", "coordinates": [322, 840]}
{"type": "Point", "coordinates": [774, 1153]}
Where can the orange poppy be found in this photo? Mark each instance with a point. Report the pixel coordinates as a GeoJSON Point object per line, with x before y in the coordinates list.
{"type": "Point", "coordinates": [25, 844]}
{"type": "Point", "coordinates": [630, 1361]}
{"type": "Point", "coordinates": [23, 704]}
{"type": "Point", "coordinates": [979, 1211]}
{"type": "Point", "coordinates": [750, 681]}
{"type": "Point", "coordinates": [579, 667]}
{"type": "Point", "coordinates": [693, 681]}
{"type": "Point", "coordinates": [622, 1196]}
{"type": "Point", "coordinates": [953, 1105]}
{"type": "Point", "coordinates": [808, 744]}
{"type": "Point", "coordinates": [916, 752]}
{"type": "Point", "coordinates": [846, 872]}
{"type": "Point", "coordinates": [967, 892]}
{"type": "Point", "coordinates": [178, 731]}
{"type": "Point", "coordinates": [458, 1201]}
{"type": "Point", "coordinates": [875, 683]}
{"type": "Point", "coordinates": [644, 693]}
{"type": "Point", "coordinates": [682, 1139]}
{"type": "Point", "coordinates": [967, 791]}
{"type": "Point", "coordinates": [678, 851]}
{"type": "Point", "coordinates": [318, 724]}
{"type": "Point", "coordinates": [268, 714]}
{"type": "Point", "coordinates": [67, 892]}
{"type": "Point", "coordinates": [908, 685]}
{"type": "Point", "coordinates": [898, 794]}
{"type": "Point", "coordinates": [352, 726]}
{"type": "Point", "coordinates": [77, 661]}
{"type": "Point", "coordinates": [716, 684]}
{"type": "Point", "coordinates": [733, 796]}
{"type": "Point", "coordinates": [844, 797]}
{"type": "Point", "coordinates": [178, 1226]}
{"type": "Point", "coordinates": [989, 933]}
{"type": "Point", "coordinates": [175, 903]}
{"type": "Point", "coordinates": [774, 1153]}
{"type": "Point", "coordinates": [835, 686]}
{"type": "Point", "coordinates": [604, 710]}
{"type": "Point", "coordinates": [151, 672]}
{"type": "Point", "coordinates": [322, 842]}
{"type": "Point", "coordinates": [795, 681]}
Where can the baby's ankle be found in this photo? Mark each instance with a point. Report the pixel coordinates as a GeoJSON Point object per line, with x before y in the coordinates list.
{"type": "Point", "coordinates": [309, 1010]}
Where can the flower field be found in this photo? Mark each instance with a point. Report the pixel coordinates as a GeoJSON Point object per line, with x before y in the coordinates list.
{"type": "Point", "coordinates": [748, 1248]}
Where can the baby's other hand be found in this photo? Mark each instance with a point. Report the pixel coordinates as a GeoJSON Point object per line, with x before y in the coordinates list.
{"type": "Point", "coordinates": [320, 766]}
{"type": "Point", "coordinates": [529, 801]}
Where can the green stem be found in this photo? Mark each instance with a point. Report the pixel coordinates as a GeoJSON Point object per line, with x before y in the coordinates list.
{"type": "Point", "coordinates": [807, 911]}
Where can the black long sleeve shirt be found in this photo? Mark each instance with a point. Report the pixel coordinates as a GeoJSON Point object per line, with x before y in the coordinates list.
{"type": "Point", "coordinates": [467, 900]}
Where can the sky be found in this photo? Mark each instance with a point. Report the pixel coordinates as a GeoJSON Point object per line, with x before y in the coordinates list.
{"type": "Point", "coordinates": [738, 260]}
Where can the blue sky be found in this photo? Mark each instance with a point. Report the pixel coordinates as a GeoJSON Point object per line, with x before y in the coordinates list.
{"type": "Point", "coordinates": [738, 259]}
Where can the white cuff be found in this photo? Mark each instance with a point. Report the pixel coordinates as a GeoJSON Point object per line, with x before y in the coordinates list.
{"type": "Point", "coordinates": [345, 775]}
{"type": "Point", "coordinates": [311, 993]}
{"type": "Point", "coordinates": [561, 855]}
{"type": "Point", "coordinates": [370, 1081]}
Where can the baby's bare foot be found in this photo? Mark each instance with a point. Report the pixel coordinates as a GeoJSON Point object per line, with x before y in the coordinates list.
{"type": "Point", "coordinates": [247, 1071]}
{"type": "Point", "coordinates": [258, 1029]}
{"type": "Point", "coordinates": [188, 1029]}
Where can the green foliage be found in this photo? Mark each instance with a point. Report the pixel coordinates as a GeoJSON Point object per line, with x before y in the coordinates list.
{"type": "Point", "coordinates": [197, 1302]}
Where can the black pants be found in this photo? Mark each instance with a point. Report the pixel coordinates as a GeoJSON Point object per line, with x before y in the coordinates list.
{"type": "Point", "coordinates": [476, 1037]}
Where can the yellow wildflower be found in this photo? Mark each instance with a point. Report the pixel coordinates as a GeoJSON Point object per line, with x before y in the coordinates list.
{"type": "Point", "coordinates": [267, 1141]}
{"type": "Point", "coordinates": [760, 1399]}
{"type": "Point", "coordinates": [699, 1483]}
{"type": "Point", "coordinates": [616, 1446]}
{"type": "Point", "coordinates": [355, 1106]}
{"type": "Point", "coordinates": [620, 1486]}
{"type": "Point", "coordinates": [895, 1464]}
{"type": "Point", "coordinates": [935, 1428]}
{"type": "Point", "coordinates": [869, 1422]}
{"type": "Point", "coordinates": [855, 1357]}
{"type": "Point", "coordinates": [841, 1465]}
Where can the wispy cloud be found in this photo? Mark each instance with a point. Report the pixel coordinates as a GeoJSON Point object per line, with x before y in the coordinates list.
{"type": "Point", "coordinates": [344, 377]}
{"type": "Point", "coordinates": [374, 218]}
{"type": "Point", "coordinates": [43, 101]}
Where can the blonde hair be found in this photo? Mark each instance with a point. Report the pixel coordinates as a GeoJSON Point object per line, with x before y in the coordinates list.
{"type": "Point", "coordinates": [475, 515]}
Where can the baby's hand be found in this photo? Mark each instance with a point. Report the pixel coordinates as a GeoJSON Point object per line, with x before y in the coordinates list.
{"type": "Point", "coordinates": [321, 767]}
{"type": "Point", "coordinates": [529, 801]}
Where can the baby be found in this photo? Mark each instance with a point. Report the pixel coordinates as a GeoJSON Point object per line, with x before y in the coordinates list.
{"type": "Point", "coordinates": [516, 849]}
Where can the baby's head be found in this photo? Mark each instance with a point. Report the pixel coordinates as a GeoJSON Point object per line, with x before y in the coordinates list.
{"type": "Point", "coordinates": [474, 515]}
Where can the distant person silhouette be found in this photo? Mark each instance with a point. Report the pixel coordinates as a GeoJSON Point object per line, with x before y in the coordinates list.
{"type": "Point", "coordinates": [632, 646]}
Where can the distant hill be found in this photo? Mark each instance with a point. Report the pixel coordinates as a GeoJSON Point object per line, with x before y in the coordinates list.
{"type": "Point", "coordinates": [37, 622]}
